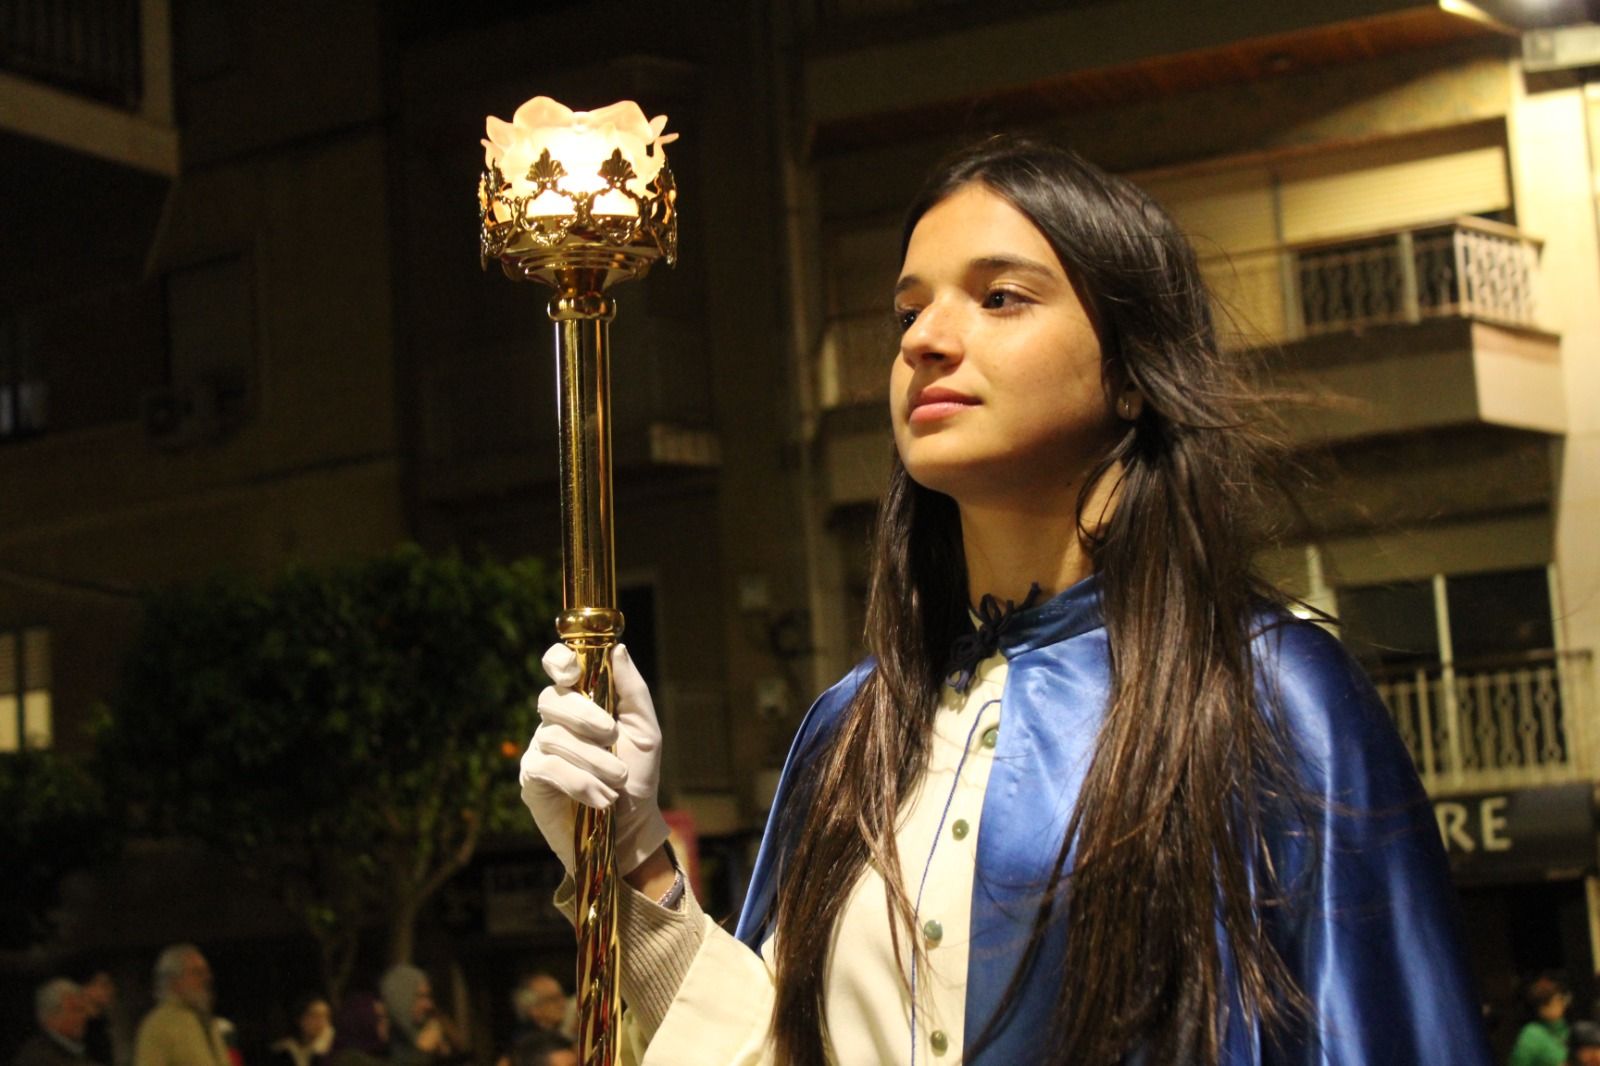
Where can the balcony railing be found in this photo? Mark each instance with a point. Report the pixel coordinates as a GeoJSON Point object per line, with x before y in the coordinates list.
{"type": "Point", "coordinates": [90, 47]}
{"type": "Point", "coordinates": [1467, 267]}
{"type": "Point", "coordinates": [1511, 724]}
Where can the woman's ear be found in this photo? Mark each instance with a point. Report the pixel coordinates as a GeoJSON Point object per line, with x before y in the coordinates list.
{"type": "Point", "coordinates": [1130, 402]}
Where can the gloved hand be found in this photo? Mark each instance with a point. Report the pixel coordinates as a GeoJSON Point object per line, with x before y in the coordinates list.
{"type": "Point", "coordinates": [567, 760]}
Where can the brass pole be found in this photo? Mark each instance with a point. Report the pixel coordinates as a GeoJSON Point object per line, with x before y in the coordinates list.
{"type": "Point", "coordinates": [578, 251]}
{"type": "Point", "coordinates": [589, 624]}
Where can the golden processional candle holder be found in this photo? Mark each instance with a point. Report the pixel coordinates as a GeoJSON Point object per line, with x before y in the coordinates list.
{"type": "Point", "coordinates": [579, 201]}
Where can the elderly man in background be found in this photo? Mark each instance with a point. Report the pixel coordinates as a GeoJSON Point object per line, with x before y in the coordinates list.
{"type": "Point", "coordinates": [180, 1030]}
{"type": "Point", "coordinates": [59, 1007]}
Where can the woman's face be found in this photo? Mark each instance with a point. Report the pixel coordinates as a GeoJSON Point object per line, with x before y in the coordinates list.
{"type": "Point", "coordinates": [314, 1021]}
{"type": "Point", "coordinates": [998, 391]}
{"type": "Point", "coordinates": [422, 1004]}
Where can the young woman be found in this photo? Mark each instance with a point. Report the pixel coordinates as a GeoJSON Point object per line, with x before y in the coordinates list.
{"type": "Point", "coordinates": [310, 1034]}
{"type": "Point", "coordinates": [1096, 797]}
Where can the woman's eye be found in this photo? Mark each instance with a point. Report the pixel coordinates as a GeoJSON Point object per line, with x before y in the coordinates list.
{"type": "Point", "coordinates": [904, 316]}
{"type": "Point", "coordinates": [1001, 299]}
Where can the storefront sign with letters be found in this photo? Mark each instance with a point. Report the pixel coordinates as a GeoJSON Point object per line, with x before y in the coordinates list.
{"type": "Point", "coordinates": [1530, 834]}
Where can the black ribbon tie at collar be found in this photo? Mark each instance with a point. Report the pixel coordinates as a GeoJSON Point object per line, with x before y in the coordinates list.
{"type": "Point", "coordinates": [976, 645]}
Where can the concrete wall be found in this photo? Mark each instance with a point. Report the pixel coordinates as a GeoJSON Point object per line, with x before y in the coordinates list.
{"type": "Point", "coordinates": [291, 184]}
{"type": "Point", "coordinates": [1553, 171]}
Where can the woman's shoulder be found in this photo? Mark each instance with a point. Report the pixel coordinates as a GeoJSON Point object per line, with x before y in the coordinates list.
{"type": "Point", "coordinates": [826, 711]}
{"type": "Point", "coordinates": [1328, 708]}
{"type": "Point", "coordinates": [814, 730]}
{"type": "Point", "coordinates": [1308, 673]}
{"type": "Point", "coordinates": [1300, 650]}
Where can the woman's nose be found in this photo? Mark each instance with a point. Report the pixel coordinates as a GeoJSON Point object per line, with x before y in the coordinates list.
{"type": "Point", "coordinates": [935, 335]}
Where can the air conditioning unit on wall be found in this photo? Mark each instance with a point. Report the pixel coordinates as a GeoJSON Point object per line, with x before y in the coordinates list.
{"type": "Point", "coordinates": [181, 416]}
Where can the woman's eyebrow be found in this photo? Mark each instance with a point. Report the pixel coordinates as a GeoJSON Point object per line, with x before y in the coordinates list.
{"type": "Point", "coordinates": [994, 264]}
{"type": "Point", "coordinates": [988, 264]}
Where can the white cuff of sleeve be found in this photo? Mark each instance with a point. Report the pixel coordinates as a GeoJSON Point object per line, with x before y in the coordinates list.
{"type": "Point", "coordinates": [658, 945]}
{"type": "Point", "coordinates": [661, 945]}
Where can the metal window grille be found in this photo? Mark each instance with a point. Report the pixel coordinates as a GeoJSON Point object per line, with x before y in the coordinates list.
{"type": "Point", "coordinates": [22, 386]}
{"type": "Point", "coordinates": [1467, 267]}
{"type": "Point", "coordinates": [91, 47]}
{"type": "Point", "coordinates": [1510, 724]}
{"type": "Point", "coordinates": [26, 714]}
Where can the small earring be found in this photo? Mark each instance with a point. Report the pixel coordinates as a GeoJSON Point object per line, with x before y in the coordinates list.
{"type": "Point", "coordinates": [1130, 405]}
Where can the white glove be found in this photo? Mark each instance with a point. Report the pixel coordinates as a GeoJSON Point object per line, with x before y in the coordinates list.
{"type": "Point", "coordinates": [567, 760]}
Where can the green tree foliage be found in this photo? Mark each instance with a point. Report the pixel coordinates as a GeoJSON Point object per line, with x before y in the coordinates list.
{"type": "Point", "coordinates": [54, 823]}
{"type": "Point", "coordinates": [347, 735]}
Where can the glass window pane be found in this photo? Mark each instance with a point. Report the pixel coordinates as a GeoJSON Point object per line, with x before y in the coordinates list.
{"type": "Point", "coordinates": [36, 658]}
{"type": "Point", "coordinates": [8, 723]}
{"type": "Point", "coordinates": [8, 664]}
{"type": "Point", "coordinates": [37, 728]}
{"type": "Point", "coordinates": [1500, 614]}
{"type": "Point", "coordinates": [1390, 625]}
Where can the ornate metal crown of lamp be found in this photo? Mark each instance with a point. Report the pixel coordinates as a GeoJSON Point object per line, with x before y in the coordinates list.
{"type": "Point", "coordinates": [579, 201]}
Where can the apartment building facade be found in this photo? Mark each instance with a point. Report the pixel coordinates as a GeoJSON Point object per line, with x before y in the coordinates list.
{"type": "Point", "coordinates": [243, 324]}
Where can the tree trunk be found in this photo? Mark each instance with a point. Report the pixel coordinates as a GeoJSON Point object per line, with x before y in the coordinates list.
{"type": "Point", "coordinates": [416, 887]}
{"type": "Point", "coordinates": [344, 965]}
{"type": "Point", "coordinates": [403, 926]}
{"type": "Point", "coordinates": [336, 961]}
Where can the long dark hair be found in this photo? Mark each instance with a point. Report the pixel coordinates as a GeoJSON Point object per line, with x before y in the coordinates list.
{"type": "Point", "coordinates": [1188, 766]}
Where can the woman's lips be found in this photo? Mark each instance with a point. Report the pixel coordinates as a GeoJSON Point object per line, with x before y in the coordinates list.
{"type": "Point", "coordinates": [935, 403]}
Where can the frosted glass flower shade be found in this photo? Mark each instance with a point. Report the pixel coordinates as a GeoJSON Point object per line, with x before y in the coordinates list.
{"type": "Point", "coordinates": [582, 144]}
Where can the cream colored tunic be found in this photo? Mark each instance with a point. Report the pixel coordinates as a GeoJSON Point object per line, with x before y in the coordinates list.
{"type": "Point", "coordinates": [877, 1010]}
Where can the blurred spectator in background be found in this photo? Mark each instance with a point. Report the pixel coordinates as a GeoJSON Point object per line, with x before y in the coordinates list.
{"type": "Point", "coordinates": [1583, 1044]}
{"type": "Point", "coordinates": [542, 1048]}
{"type": "Point", "coordinates": [418, 1034]}
{"type": "Point", "coordinates": [310, 1034]}
{"type": "Point", "coordinates": [1543, 1041]}
{"type": "Point", "coordinates": [180, 1030]}
{"type": "Point", "coordinates": [361, 1032]}
{"type": "Point", "coordinates": [539, 1004]}
{"type": "Point", "coordinates": [59, 1008]}
{"type": "Point", "coordinates": [100, 1042]}
{"type": "Point", "coordinates": [230, 1040]}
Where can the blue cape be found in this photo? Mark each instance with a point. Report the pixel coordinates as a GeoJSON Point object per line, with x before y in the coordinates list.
{"type": "Point", "coordinates": [1368, 931]}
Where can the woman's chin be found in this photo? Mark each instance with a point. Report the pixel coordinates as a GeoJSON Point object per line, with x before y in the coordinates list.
{"type": "Point", "coordinates": [958, 480]}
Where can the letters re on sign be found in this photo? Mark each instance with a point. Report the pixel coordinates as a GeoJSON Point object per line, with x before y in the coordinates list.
{"type": "Point", "coordinates": [1518, 835]}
